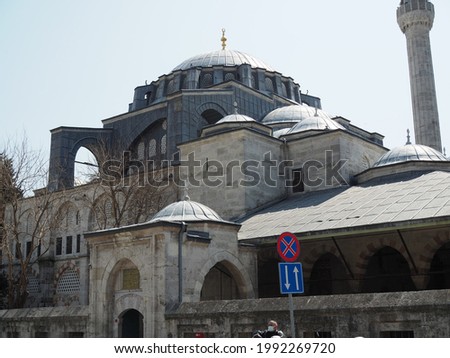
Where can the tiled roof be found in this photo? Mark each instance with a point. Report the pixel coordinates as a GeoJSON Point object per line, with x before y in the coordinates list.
{"type": "Point", "coordinates": [412, 197]}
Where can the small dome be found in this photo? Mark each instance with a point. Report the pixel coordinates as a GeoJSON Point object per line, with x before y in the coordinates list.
{"type": "Point", "coordinates": [294, 113]}
{"type": "Point", "coordinates": [316, 123]}
{"type": "Point", "coordinates": [223, 57]}
{"type": "Point", "coordinates": [410, 152]}
{"type": "Point", "coordinates": [236, 117]}
{"type": "Point", "coordinates": [186, 210]}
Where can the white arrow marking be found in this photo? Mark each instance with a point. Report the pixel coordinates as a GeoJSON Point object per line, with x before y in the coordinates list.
{"type": "Point", "coordinates": [287, 284]}
{"type": "Point", "coordinates": [296, 278]}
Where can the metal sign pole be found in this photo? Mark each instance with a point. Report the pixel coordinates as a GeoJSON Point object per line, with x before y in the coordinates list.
{"type": "Point", "coordinates": [290, 272]}
{"type": "Point", "coordinates": [291, 314]}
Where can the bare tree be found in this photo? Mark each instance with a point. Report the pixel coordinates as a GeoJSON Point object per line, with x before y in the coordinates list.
{"type": "Point", "coordinates": [26, 217]}
{"type": "Point", "coordinates": [125, 190]}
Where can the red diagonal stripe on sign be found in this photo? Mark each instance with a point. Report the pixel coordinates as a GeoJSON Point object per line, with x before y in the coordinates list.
{"type": "Point", "coordinates": [288, 247]}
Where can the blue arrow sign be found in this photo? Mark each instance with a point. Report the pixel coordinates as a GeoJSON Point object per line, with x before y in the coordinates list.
{"type": "Point", "coordinates": [291, 277]}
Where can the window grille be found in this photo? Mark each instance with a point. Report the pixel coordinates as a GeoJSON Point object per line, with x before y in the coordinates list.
{"type": "Point", "coordinates": [269, 84]}
{"type": "Point", "coordinates": [206, 80]}
{"type": "Point", "coordinates": [33, 286]}
{"type": "Point", "coordinates": [68, 282]}
{"type": "Point", "coordinates": [152, 148]}
{"type": "Point", "coordinates": [229, 76]}
{"type": "Point", "coordinates": [163, 144]}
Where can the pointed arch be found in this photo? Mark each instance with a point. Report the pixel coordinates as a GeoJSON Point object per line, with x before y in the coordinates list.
{"type": "Point", "coordinates": [85, 167]}
{"type": "Point", "coordinates": [101, 213]}
{"type": "Point", "coordinates": [211, 112]}
{"type": "Point", "coordinates": [234, 268]}
{"type": "Point", "coordinates": [219, 284]}
{"type": "Point", "coordinates": [150, 146]}
{"type": "Point", "coordinates": [439, 272]}
{"type": "Point", "coordinates": [125, 275]}
{"type": "Point", "coordinates": [328, 276]}
{"type": "Point", "coordinates": [66, 216]}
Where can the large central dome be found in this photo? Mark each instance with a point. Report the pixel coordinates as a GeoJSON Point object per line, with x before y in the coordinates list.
{"type": "Point", "coordinates": [223, 57]}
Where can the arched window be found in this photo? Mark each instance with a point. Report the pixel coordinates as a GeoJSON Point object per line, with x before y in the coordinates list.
{"type": "Point", "coordinates": [206, 80]}
{"type": "Point", "coordinates": [229, 76]}
{"type": "Point", "coordinates": [149, 144]}
{"type": "Point", "coordinates": [269, 84]}
{"type": "Point", "coordinates": [283, 90]}
{"type": "Point", "coordinates": [141, 150]}
{"type": "Point", "coordinates": [152, 148]}
{"type": "Point", "coordinates": [101, 215]}
{"type": "Point", "coordinates": [387, 271]}
{"type": "Point", "coordinates": [170, 87]}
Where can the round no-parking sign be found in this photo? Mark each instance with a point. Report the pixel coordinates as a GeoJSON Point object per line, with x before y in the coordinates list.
{"type": "Point", "coordinates": [288, 247]}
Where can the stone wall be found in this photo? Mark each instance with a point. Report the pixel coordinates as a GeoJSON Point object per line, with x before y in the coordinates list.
{"type": "Point", "coordinates": [422, 314]}
{"type": "Point", "coordinates": [54, 322]}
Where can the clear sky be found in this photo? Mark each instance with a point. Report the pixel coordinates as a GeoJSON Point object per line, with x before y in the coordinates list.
{"type": "Point", "coordinates": [74, 63]}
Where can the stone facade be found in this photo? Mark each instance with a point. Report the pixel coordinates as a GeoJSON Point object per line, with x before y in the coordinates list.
{"type": "Point", "coordinates": [200, 255]}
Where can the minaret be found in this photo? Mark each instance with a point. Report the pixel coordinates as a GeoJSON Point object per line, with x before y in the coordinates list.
{"type": "Point", "coordinates": [415, 18]}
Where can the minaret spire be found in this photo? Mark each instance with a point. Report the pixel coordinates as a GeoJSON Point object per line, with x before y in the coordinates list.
{"type": "Point", "coordinates": [408, 137]}
{"type": "Point", "coordinates": [415, 18]}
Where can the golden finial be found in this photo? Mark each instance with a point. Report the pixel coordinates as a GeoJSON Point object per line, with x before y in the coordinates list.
{"type": "Point", "coordinates": [224, 40]}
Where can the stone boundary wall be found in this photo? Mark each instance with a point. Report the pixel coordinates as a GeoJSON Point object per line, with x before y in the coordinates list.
{"type": "Point", "coordinates": [53, 322]}
{"type": "Point", "coordinates": [424, 313]}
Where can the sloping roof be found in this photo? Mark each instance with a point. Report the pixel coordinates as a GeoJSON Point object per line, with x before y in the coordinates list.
{"type": "Point", "coordinates": [412, 197]}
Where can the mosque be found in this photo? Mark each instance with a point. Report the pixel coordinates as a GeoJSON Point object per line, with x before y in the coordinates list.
{"type": "Point", "coordinates": [247, 156]}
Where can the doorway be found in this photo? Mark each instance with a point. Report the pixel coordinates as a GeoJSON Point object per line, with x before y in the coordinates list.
{"type": "Point", "coordinates": [131, 324]}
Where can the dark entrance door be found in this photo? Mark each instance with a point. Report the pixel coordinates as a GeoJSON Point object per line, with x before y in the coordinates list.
{"type": "Point", "coordinates": [132, 324]}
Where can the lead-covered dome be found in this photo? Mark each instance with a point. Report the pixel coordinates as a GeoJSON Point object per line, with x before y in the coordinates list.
{"type": "Point", "coordinates": [235, 117]}
{"type": "Point", "coordinates": [223, 57]}
{"type": "Point", "coordinates": [186, 210]}
{"type": "Point", "coordinates": [315, 123]}
{"type": "Point", "coordinates": [292, 114]}
{"type": "Point", "coordinates": [410, 152]}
